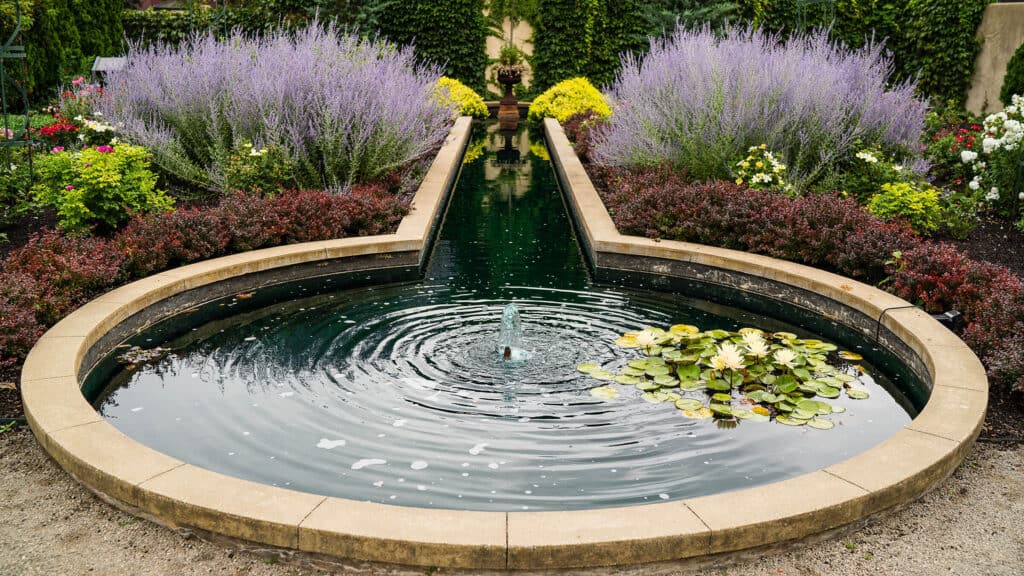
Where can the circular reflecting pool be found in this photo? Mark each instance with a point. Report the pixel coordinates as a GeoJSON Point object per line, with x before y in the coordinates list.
{"type": "Point", "coordinates": [399, 393]}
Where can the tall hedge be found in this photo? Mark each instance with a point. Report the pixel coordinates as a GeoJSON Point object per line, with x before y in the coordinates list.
{"type": "Point", "coordinates": [585, 38]}
{"type": "Point", "coordinates": [452, 33]}
{"type": "Point", "coordinates": [61, 38]}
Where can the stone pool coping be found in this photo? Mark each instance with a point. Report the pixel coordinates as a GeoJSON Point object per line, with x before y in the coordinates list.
{"type": "Point", "coordinates": [177, 494]}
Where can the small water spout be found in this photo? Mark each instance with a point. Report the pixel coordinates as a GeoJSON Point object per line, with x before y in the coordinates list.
{"type": "Point", "coordinates": [510, 340]}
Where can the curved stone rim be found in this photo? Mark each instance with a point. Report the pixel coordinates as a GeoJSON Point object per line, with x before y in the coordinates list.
{"type": "Point", "coordinates": [172, 492]}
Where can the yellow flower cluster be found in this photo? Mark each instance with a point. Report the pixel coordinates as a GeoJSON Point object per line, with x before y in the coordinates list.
{"type": "Point", "coordinates": [761, 170]}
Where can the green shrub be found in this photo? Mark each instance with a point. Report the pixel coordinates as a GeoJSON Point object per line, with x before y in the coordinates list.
{"type": "Point", "coordinates": [98, 186]}
{"type": "Point", "coordinates": [15, 181]}
{"type": "Point", "coordinates": [940, 42]}
{"type": "Point", "coordinates": [1013, 83]}
{"type": "Point", "coordinates": [864, 173]}
{"type": "Point", "coordinates": [259, 170]}
{"type": "Point", "coordinates": [452, 93]}
{"type": "Point", "coordinates": [451, 33]}
{"type": "Point", "coordinates": [567, 98]}
{"type": "Point", "coordinates": [585, 38]}
{"type": "Point", "coordinates": [917, 204]}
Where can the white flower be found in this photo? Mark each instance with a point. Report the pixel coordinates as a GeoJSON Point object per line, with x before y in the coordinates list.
{"type": "Point", "coordinates": [728, 357]}
{"type": "Point", "coordinates": [785, 357]}
{"type": "Point", "coordinates": [646, 338]}
{"type": "Point", "coordinates": [867, 157]}
{"type": "Point", "coordinates": [968, 156]}
{"type": "Point", "coordinates": [989, 144]}
{"type": "Point", "coordinates": [758, 349]}
{"type": "Point", "coordinates": [974, 184]}
{"type": "Point", "coordinates": [1020, 196]}
{"type": "Point", "coordinates": [992, 195]}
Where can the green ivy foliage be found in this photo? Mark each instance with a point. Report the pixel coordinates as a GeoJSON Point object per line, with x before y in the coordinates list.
{"type": "Point", "coordinates": [940, 42]}
{"type": "Point", "coordinates": [585, 38]}
{"type": "Point", "coordinates": [451, 33]}
{"type": "Point", "coordinates": [1013, 83]}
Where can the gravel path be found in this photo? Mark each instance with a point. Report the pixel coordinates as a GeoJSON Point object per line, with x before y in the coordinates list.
{"type": "Point", "coordinates": [972, 524]}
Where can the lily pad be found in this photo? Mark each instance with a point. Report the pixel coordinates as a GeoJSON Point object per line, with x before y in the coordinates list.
{"type": "Point", "coordinates": [640, 364]}
{"type": "Point", "coordinates": [755, 417]}
{"type": "Point", "coordinates": [721, 397]}
{"type": "Point", "coordinates": [742, 413]}
{"type": "Point", "coordinates": [785, 335]}
{"type": "Point", "coordinates": [858, 394]}
{"type": "Point", "coordinates": [698, 414]}
{"type": "Point", "coordinates": [627, 380]}
{"type": "Point", "coordinates": [820, 424]}
{"type": "Point", "coordinates": [719, 385]}
{"type": "Point", "coordinates": [692, 385]}
{"type": "Point", "coordinates": [828, 392]}
{"type": "Point", "coordinates": [689, 404]}
{"type": "Point", "coordinates": [851, 356]}
{"type": "Point", "coordinates": [588, 368]}
{"type": "Point", "coordinates": [654, 371]}
{"type": "Point", "coordinates": [838, 409]}
{"type": "Point", "coordinates": [790, 421]}
{"type": "Point", "coordinates": [632, 372]}
{"type": "Point", "coordinates": [666, 380]}
{"type": "Point", "coordinates": [603, 375]}
{"type": "Point", "coordinates": [605, 393]}
{"type": "Point", "coordinates": [720, 409]}
{"type": "Point", "coordinates": [804, 414]}
{"type": "Point", "coordinates": [684, 329]}
{"type": "Point", "coordinates": [647, 386]}
{"type": "Point", "coordinates": [690, 372]}
{"type": "Point", "coordinates": [654, 397]}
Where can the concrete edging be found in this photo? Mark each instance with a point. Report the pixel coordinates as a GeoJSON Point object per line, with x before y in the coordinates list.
{"type": "Point", "coordinates": [181, 495]}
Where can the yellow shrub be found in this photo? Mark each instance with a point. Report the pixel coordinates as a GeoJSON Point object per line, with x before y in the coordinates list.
{"type": "Point", "coordinates": [567, 98]}
{"type": "Point", "coordinates": [462, 98]}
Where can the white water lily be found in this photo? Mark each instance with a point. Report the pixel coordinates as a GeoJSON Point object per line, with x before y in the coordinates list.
{"type": "Point", "coordinates": [646, 338]}
{"type": "Point", "coordinates": [728, 358]}
{"type": "Point", "coordinates": [785, 357]}
{"type": "Point", "coordinates": [758, 348]}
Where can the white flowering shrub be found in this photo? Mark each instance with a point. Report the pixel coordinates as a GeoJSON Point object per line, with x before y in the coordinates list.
{"type": "Point", "coordinates": [995, 168]}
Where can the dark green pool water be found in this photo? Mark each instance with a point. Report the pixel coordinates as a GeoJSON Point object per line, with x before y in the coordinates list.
{"type": "Point", "coordinates": [397, 394]}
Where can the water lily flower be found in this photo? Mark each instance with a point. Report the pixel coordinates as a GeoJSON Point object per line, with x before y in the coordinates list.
{"type": "Point", "coordinates": [728, 358]}
{"type": "Point", "coordinates": [785, 357]}
{"type": "Point", "coordinates": [647, 338]}
{"type": "Point", "coordinates": [757, 348]}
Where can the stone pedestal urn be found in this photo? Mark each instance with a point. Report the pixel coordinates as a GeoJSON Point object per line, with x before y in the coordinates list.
{"type": "Point", "coordinates": [508, 111]}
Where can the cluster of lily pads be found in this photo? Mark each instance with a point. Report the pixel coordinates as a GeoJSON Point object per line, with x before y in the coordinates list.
{"type": "Point", "coordinates": [744, 375]}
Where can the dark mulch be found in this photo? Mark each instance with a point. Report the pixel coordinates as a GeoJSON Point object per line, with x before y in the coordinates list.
{"type": "Point", "coordinates": [996, 240]}
{"type": "Point", "coordinates": [19, 231]}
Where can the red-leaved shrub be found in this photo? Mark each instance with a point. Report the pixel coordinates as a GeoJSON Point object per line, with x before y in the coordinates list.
{"type": "Point", "coordinates": [820, 230]}
{"type": "Point", "coordinates": [157, 241]}
{"type": "Point", "coordinates": [19, 328]}
{"type": "Point", "coordinates": [67, 270]}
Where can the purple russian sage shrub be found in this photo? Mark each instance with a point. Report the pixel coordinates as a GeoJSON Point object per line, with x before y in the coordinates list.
{"type": "Point", "coordinates": [345, 109]}
{"type": "Point", "coordinates": [699, 101]}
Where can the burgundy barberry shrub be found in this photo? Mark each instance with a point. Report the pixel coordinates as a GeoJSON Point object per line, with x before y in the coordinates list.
{"type": "Point", "coordinates": [19, 328]}
{"type": "Point", "coordinates": [819, 230]}
{"type": "Point", "coordinates": [155, 242]}
{"type": "Point", "coordinates": [68, 271]}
